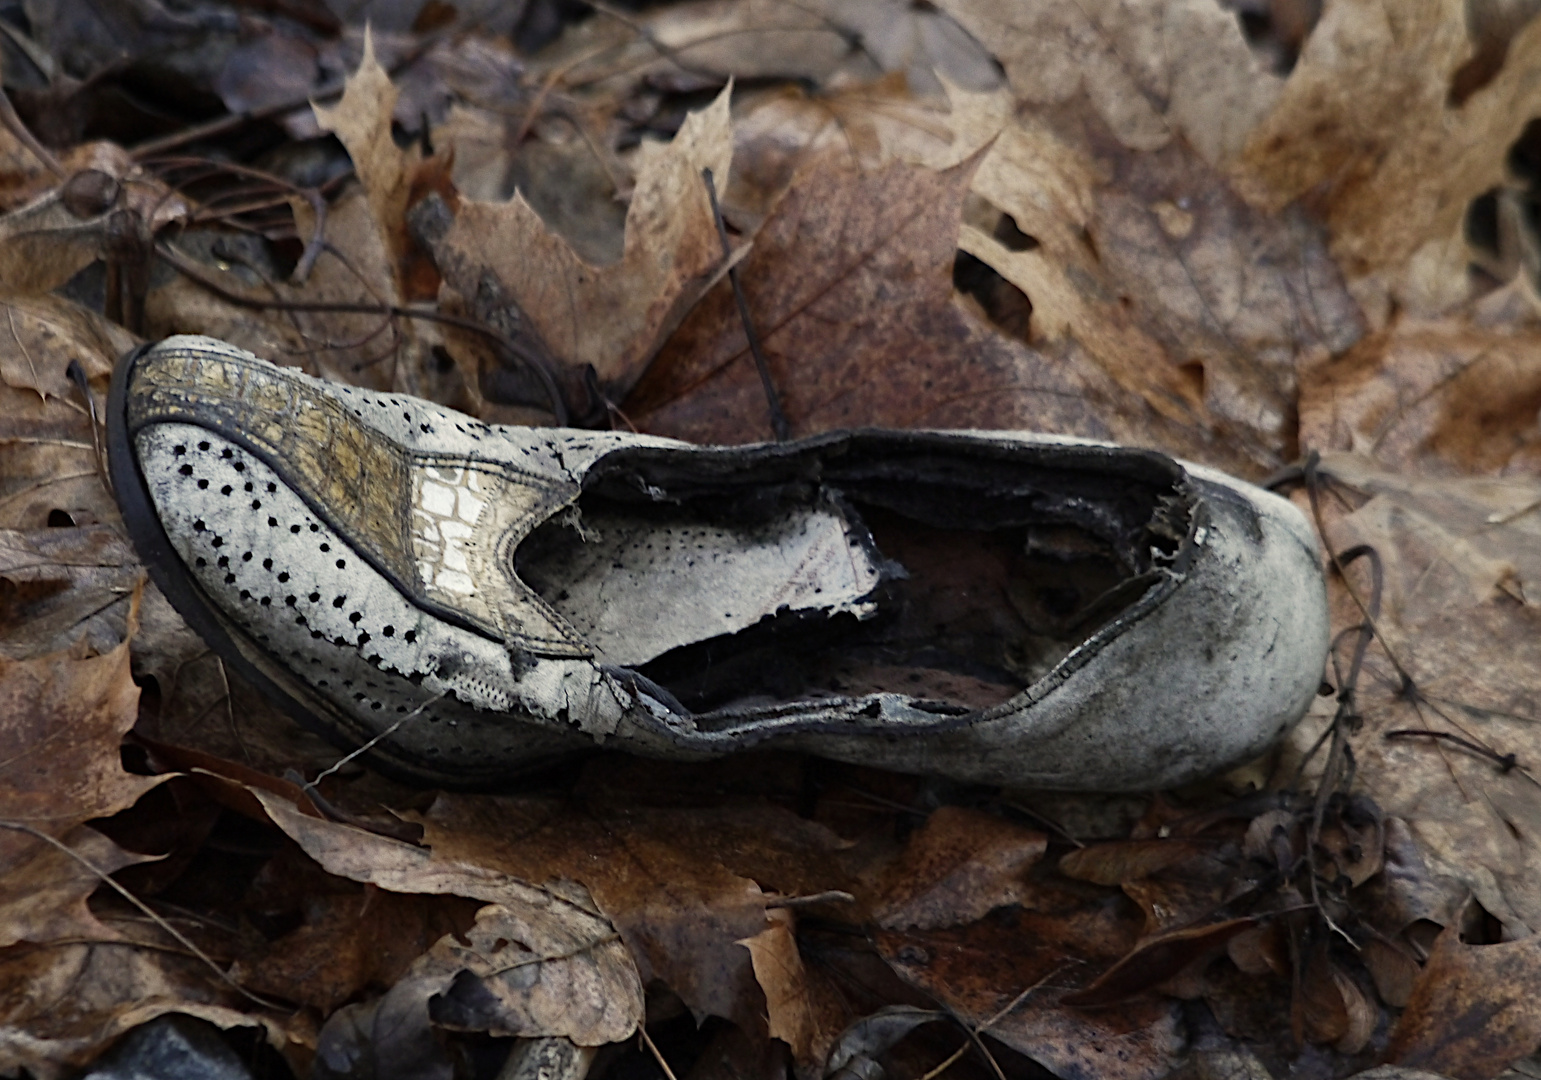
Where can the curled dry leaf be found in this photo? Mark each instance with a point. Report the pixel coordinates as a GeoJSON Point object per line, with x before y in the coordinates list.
{"type": "Point", "coordinates": [1474, 1010]}
{"type": "Point", "coordinates": [62, 720]}
{"type": "Point", "coordinates": [1329, 1007]}
{"type": "Point", "coordinates": [1366, 124]}
{"type": "Point", "coordinates": [568, 973]}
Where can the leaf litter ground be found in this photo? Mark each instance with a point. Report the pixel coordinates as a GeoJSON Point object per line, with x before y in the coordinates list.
{"type": "Point", "coordinates": [1295, 244]}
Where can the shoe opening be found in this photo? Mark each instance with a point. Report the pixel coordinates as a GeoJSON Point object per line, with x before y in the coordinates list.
{"type": "Point", "coordinates": [946, 569]}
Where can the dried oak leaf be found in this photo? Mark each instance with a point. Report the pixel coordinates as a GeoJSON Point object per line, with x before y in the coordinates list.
{"type": "Point", "coordinates": [849, 284]}
{"type": "Point", "coordinates": [62, 720]}
{"type": "Point", "coordinates": [1367, 129]}
{"type": "Point", "coordinates": [361, 120]}
{"type": "Point", "coordinates": [1474, 1010]}
{"type": "Point", "coordinates": [1149, 72]}
{"type": "Point", "coordinates": [543, 961]}
{"type": "Point", "coordinates": [955, 869]}
{"type": "Point", "coordinates": [1459, 615]}
{"type": "Point", "coordinates": [612, 317]}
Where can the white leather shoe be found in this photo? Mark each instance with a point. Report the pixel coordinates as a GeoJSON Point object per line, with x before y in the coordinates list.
{"type": "Point", "coordinates": [1000, 607]}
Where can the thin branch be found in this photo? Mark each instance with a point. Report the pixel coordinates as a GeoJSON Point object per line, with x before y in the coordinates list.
{"type": "Point", "coordinates": [778, 419]}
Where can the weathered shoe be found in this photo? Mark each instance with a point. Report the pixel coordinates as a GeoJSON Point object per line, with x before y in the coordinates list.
{"type": "Point", "coordinates": [1000, 607]}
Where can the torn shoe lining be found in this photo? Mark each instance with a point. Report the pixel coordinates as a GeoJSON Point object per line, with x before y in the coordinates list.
{"type": "Point", "coordinates": [949, 574]}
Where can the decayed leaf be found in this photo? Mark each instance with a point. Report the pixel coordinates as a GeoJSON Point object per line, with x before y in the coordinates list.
{"type": "Point", "coordinates": [1148, 71]}
{"type": "Point", "coordinates": [961, 865]}
{"type": "Point", "coordinates": [1474, 1010]}
{"type": "Point", "coordinates": [62, 719]}
{"type": "Point", "coordinates": [572, 976]}
{"type": "Point", "coordinates": [1460, 618]}
{"type": "Point", "coordinates": [611, 317]}
{"type": "Point", "coordinates": [1367, 125]}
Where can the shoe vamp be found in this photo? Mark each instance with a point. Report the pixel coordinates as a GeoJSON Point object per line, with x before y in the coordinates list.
{"type": "Point", "coordinates": [305, 596]}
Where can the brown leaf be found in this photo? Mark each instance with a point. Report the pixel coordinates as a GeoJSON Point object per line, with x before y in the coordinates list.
{"type": "Point", "coordinates": [1011, 974]}
{"type": "Point", "coordinates": [1366, 124]}
{"type": "Point", "coordinates": [47, 453]}
{"type": "Point", "coordinates": [1149, 72]}
{"type": "Point", "coordinates": [778, 968]}
{"type": "Point", "coordinates": [43, 889]}
{"type": "Point", "coordinates": [62, 719]}
{"type": "Point", "coordinates": [1119, 861]}
{"type": "Point", "coordinates": [351, 942]}
{"type": "Point", "coordinates": [61, 1005]}
{"type": "Point", "coordinates": [1429, 398]}
{"type": "Point", "coordinates": [1457, 555]}
{"type": "Point", "coordinates": [573, 978]}
{"type": "Point", "coordinates": [362, 122]}
{"type": "Point", "coordinates": [1154, 961]}
{"type": "Point", "coordinates": [613, 317]}
{"type": "Point", "coordinates": [681, 912]}
{"type": "Point", "coordinates": [1329, 1008]}
{"type": "Point", "coordinates": [61, 587]}
{"type": "Point", "coordinates": [1176, 289]}
{"type": "Point", "coordinates": [958, 867]}
{"type": "Point", "coordinates": [1393, 969]}
{"type": "Point", "coordinates": [849, 285]}
{"type": "Point", "coordinates": [1474, 1009]}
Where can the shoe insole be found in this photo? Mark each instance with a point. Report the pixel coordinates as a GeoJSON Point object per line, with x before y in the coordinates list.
{"type": "Point", "coordinates": [637, 587]}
